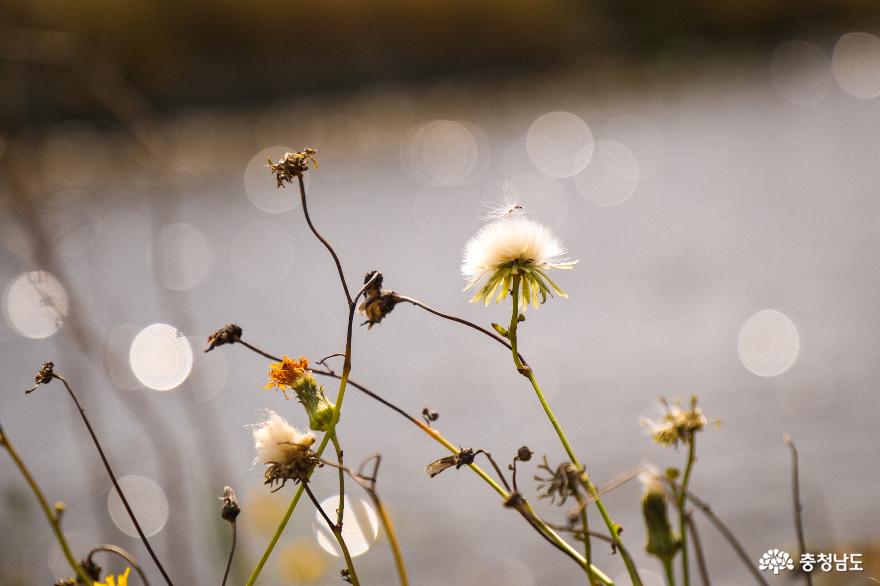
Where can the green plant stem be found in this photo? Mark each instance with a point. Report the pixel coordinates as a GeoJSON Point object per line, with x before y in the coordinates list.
{"type": "Point", "coordinates": [51, 515]}
{"type": "Point", "coordinates": [682, 514]}
{"type": "Point", "coordinates": [392, 539]}
{"type": "Point", "coordinates": [670, 573]}
{"type": "Point", "coordinates": [340, 508]}
{"type": "Point", "coordinates": [527, 371]}
{"type": "Point", "coordinates": [337, 533]}
{"type": "Point", "coordinates": [588, 553]}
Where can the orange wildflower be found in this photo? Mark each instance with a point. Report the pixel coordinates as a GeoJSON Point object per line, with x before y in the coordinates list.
{"type": "Point", "coordinates": [287, 373]}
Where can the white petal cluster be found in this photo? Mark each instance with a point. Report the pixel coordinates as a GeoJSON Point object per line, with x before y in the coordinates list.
{"type": "Point", "coordinates": [278, 442]}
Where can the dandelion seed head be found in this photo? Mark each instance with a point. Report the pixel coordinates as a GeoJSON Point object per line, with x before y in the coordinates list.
{"type": "Point", "coordinates": [278, 442]}
{"type": "Point", "coordinates": [509, 248]}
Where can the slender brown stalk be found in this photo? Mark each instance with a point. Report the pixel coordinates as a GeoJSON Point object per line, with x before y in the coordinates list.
{"type": "Point", "coordinates": [116, 550]}
{"type": "Point", "coordinates": [327, 245]}
{"type": "Point", "coordinates": [53, 515]}
{"type": "Point", "coordinates": [698, 550]}
{"type": "Point", "coordinates": [337, 533]}
{"type": "Point", "coordinates": [460, 320]}
{"type": "Point", "coordinates": [798, 506]}
{"type": "Point", "coordinates": [231, 553]}
{"type": "Point", "coordinates": [113, 479]}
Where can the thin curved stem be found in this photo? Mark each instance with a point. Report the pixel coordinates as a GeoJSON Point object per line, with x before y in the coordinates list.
{"type": "Point", "coordinates": [682, 514]}
{"type": "Point", "coordinates": [51, 514]}
{"type": "Point", "coordinates": [460, 320]}
{"type": "Point", "coordinates": [337, 533]}
{"type": "Point", "coordinates": [302, 193]}
{"type": "Point", "coordinates": [116, 550]}
{"type": "Point", "coordinates": [527, 371]}
{"type": "Point", "coordinates": [231, 554]}
{"type": "Point", "coordinates": [113, 479]}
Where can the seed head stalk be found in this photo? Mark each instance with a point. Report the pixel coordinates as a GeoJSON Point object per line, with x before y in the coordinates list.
{"type": "Point", "coordinates": [682, 514]}
{"type": "Point", "coordinates": [584, 477]}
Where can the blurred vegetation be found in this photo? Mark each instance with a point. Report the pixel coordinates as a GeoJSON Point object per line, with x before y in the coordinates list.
{"type": "Point", "coordinates": [231, 52]}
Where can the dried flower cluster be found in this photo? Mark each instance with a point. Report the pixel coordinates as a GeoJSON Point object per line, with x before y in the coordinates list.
{"type": "Point", "coordinates": [677, 424]}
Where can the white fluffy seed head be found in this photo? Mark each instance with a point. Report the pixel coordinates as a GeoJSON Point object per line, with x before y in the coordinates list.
{"type": "Point", "coordinates": [508, 240]}
{"type": "Point", "coordinates": [276, 441]}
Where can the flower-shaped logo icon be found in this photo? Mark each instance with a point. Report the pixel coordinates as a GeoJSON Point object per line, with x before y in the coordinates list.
{"type": "Point", "coordinates": [776, 560]}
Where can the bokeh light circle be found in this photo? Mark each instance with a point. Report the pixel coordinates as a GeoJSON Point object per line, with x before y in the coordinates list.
{"type": "Point", "coordinates": [360, 526]}
{"type": "Point", "coordinates": [180, 256]}
{"type": "Point", "coordinates": [147, 501]}
{"type": "Point", "coordinates": [260, 185]}
{"type": "Point", "coordinates": [161, 357]}
{"type": "Point", "coordinates": [559, 144]}
{"type": "Point", "coordinates": [612, 176]}
{"type": "Point", "coordinates": [261, 254]}
{"type": "Point", "coordinates": [35, 305]}
{"type": "Point", "coordinates": [768, 343]}
{"type": "Point", "coordinates": [856, 64]}
{"type": "Point", "coordinates": [800, 72]}
{"type": "Point", "coordinates": [442, 152]}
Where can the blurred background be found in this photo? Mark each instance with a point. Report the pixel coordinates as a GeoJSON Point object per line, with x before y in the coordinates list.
{"type": "Point", "coordinates": [713, 165]}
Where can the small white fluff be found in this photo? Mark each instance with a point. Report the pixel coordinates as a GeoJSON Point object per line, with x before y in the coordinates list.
{"type": "Point", "coordinates": [508, 240]}
{"type": "Point", "coordinates": [278, 442]}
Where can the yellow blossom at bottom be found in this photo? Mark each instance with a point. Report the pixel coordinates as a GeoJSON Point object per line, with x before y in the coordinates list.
{"type": "Point", "coordinates": [122, 580]}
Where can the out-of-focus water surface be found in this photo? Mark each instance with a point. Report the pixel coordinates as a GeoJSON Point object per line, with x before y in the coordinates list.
{"type": "Point", "coordinates": [728, 233]}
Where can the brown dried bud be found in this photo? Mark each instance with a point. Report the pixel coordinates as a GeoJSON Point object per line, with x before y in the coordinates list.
{"type": "Point", "coordinates": [524, 454]}
{"type": "Point", "coordinates": [228, 334]}
{"type": "Point", "coordinates": [379, 302]}
{"type": "Point", "coordinates": [230, 508]}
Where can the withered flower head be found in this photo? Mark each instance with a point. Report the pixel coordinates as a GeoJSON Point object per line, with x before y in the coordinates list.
{"type": "Point", "coordinates": [284, 450]}
{"type": "Point", "coordinates": [563, 482]}
{"type": "Point", "coordinates": [378, 302]}
{"type": "Point", "coordinates": [293, 165]}
{"type": "Point", "coordinates": [43, 377]}
{"type": "Point", "coordinates": [676, 424]}
{"type": "Point", "coordinates": [230, 509]}
{"type": "Point", "coordinates": [287, 374]}
{"type": "Point", "coordinates": [524, 454]}
{"type": "Point", "coordinates": [228, 334]}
